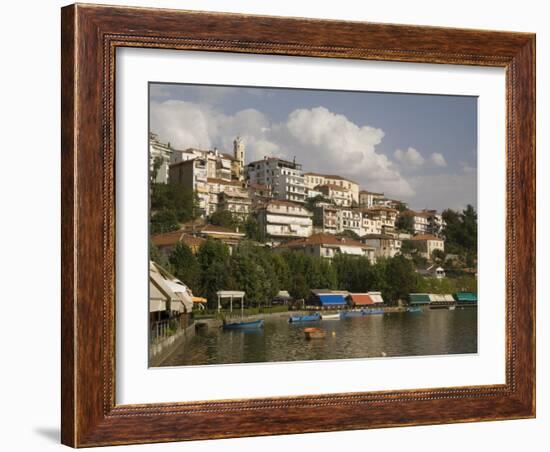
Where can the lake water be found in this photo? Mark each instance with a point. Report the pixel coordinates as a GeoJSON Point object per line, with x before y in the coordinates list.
{"type": "Point", "coordinates": [430, 332]}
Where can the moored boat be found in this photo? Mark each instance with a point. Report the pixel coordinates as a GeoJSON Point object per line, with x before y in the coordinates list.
{"type": "Point", "coordinates": [305, 318]}
{"type": "Point", "coordinates": [362, 312]}
{"type": "Point", "coordinates": [330, 316]}
{"type": "Point", "coordinates": [244, 325]}
{"type": "Point", "coordinates": [414, 309]}
{"type": "Point", "coordinates": [314, 333]}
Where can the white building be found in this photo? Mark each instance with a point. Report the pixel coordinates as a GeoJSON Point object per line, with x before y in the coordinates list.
{"type": "Point", "coordinates": [340, 196]}
{"type": "Point", "coordinates": [282, 220]}
{"type": "Point", "coordinates": [349, 220]}
{"type": "Point", "coordinates": [160, 155]}
{"type": "Point", "coordinates": [285, 178]}
{"type": "Point", "coordinates": [314, 179]}
{"type": "Point", "coordinates": [419, 221]}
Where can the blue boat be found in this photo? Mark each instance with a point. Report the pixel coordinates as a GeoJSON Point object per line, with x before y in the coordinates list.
{"type": "Point", "coordinates": [305, 318]}
{"type": "Point", "coordinates": [361, 313]}
{"type": "Point", "coordinates": [348, 314]}
{"type": "Point", "coordinates": [244, 325]}
{"type": "Point", "coordinates": [414, 309]}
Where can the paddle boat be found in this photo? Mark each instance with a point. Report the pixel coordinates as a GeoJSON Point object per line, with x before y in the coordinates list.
{"type": "Point", "coordinates": [314, 333]}
{"type": "Point", "coordinates": [305, 318]}
{"type": "Point", "coordinates": [255, 324]}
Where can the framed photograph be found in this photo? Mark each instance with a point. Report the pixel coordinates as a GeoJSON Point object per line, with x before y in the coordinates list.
{"type": "Point", "coordinates": [282, 225]}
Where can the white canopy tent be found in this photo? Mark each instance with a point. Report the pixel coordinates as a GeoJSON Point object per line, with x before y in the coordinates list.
{"type": "Point", "coordinates": [232, 295]}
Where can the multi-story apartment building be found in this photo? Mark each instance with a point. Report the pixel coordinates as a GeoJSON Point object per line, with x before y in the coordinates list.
{"type": "Point", "coordinates": [340, 196]}
{"type": "Point", "coordinates": [386, 215]}
{"type": "Point", "coordinates": [219, 165]}
{"type": "Point", "coordinates": [349, 220]}
{"type": "Point", "coordinates": [285, 178]}
{"type": "Point", "coordinates": [235, 201]}
{"type": "Point", "coordinates": [159, 159]}
{"type": "Point", "coordinates": [312, 180]}
{"type": "Point", "coordinates": [218, 186]}
{"type": "Point", "coordinates": [370, 224]}
{"type": "Point", "coordinates": [281, 220]}
{"type": "Point", "coordinates": [419, 221]}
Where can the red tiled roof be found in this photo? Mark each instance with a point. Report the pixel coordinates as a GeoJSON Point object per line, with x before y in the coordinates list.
{"type": "Point", "coordinates": [361, 298]}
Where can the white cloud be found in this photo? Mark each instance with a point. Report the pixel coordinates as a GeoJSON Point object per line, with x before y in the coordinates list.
{"type": "Point", "coordinates": [321, 140]}
{"type": "Point", "coordinates": [442, 191]}
{"type": "Point", "coordinates": [410, 157]}
{"type": "Point", "coordinates": [438, 160]}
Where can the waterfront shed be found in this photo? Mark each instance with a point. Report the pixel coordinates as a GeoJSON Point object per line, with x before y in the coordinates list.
{"type": "Point", "coordinates": [360, 299]}
{"type": "Point", "coordinates": [466, 298]}
{"type": "Point", "coordinates": [419, 298]}
{"type": "Point", "coordinates": [376, 297]}
{"type": "Point", "coordinates": [327, 299]}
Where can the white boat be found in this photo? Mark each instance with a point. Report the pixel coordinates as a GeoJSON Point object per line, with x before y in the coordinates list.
{"type": "Point", "coordinates": [330, 316]}
{"type": "Point", "coordinates": [452, 308]}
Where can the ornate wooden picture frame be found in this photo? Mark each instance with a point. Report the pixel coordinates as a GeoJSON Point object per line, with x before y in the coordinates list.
{"type": "Point", "coordinates": [90, 37]}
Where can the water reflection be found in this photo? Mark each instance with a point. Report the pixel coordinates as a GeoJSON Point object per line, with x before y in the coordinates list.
{"type": "Point", "coordinates": [431, 332]}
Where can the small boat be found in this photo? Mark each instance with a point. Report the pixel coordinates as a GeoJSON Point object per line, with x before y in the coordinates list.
{"type": "Point", "coordinates": [348, 314]}
{"type": "Point", "coordinates": [314, 333]}
{"type": "Point", "coordinates": [362, 313]}
{"type": "Point", "coordinates": [244, 325]}
{"type": "Point", "coordinates": [330, 316]}
{"type": "Point", "coordinates": [414, 309]}
{"type": "Point", "coordinates": [452, 308]}
{"type": "Point", "coordinates": [305, 318]}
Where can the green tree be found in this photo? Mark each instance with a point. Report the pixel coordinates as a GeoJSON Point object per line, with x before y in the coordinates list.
{"type": "Point", "coordinates": [405, 223]}
{"type": "Point", "coordinates": [348, 233]}
{"type": "Point", "coordinates": [157, 163]}
{"type": "Point", "coordinates": [225, 219]}
{"type": "Point", "coordinates": [164, 221]}
{"type": "Point", "coordinates": [438, 256]}
{"type": "Point", "coordinates": [213, 259]}
{"type": "Point", "coordinates": [252, 230]}
{"type": "Point", "coordinates": [185, 266]}
{"type": "Point", "coordinates": [407, 247]}
{"type": "Point", "coordinates": [180, 201]}
{"type": "Point", "coordinates": [156, 256]}
{"type": "Point", "coordinates": [401, 279]}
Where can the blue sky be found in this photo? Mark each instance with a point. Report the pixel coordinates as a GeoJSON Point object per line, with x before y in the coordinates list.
{"type": "Point", "coordinates": [419, 148]}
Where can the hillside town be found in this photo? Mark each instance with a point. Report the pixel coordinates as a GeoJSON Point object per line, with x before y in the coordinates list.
{"type": "Point", "coordinates": [269, 236]}
{"type": "Point", "coordinates": [295, 209]}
